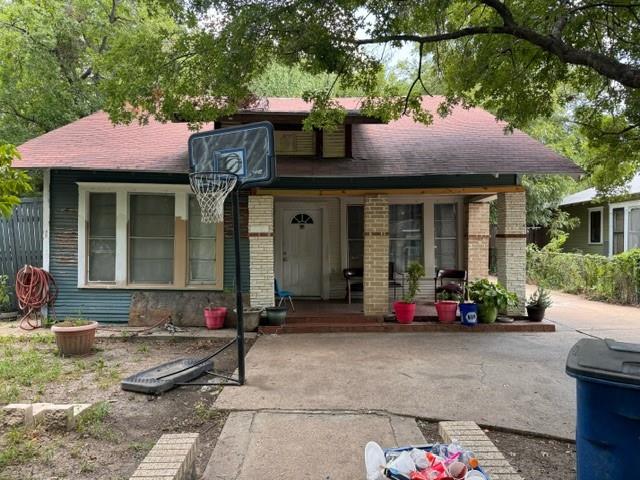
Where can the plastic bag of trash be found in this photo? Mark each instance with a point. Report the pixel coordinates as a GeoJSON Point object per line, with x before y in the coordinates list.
{"type": "Point", "coordinates": [404, 464]}
{"type": "Point", "coordinates": [374, 461]}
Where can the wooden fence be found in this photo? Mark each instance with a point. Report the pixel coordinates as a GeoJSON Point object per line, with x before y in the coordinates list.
{"type": "Point", "coordinates": [21, 239]}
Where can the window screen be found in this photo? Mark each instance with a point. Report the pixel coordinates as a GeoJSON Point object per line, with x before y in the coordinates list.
{"type": "Point", "coordinates": [202, 246]}
{"type": "Point", "coordinates": [618, 230]}
{"type": "Point", "coordinates": [595, 226]}
{"type": "Point", "coordinates": [102, 237]}
{"type": "Point", "coordinates": [355, 234]}
{"type": "Point", "coordinates": [405, 235]}
{"type": "Point", "coordinates": [151, 238]}
{"type": "Point", "coordinates": [445, 235]}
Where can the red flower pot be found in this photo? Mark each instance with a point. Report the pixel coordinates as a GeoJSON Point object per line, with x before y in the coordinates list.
{"type": "Point", "coordinates": [214, 317]}
{"type": "Point", "coordinates": [404, 311]}
{"type": "Point", "coordinates": [446, 311]}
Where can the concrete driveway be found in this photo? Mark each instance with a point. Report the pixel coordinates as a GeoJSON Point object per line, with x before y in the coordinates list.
{"type": "Point", "coordinates": [509, 380]}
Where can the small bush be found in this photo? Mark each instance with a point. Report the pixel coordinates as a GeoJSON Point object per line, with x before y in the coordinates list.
{"type": "Point", "coordinates": [615, 279]}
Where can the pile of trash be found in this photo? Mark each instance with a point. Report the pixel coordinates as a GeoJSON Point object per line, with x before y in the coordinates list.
{"type": "Point", "coordinates": [427, 462]}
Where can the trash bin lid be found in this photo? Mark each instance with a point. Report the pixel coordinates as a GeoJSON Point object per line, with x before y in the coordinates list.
{"type": "Point", "coordinates": [605, 360]}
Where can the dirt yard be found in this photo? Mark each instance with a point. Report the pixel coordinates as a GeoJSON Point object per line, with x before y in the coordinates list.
{"type": "Point", "coordinates": [532, 456]}
{"type": "Point", "coordinates": [111, 441]}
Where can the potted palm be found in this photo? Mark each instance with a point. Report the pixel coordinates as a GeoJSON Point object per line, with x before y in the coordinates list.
{"type": "Point", "coordinates": [75, 336]}
{"type": "Point", "coordinates": [405, 309]}
{"type": "Point", "coordinates": [447, 304]}
{"type": "Point", "coordinates": [491, 298]}
{"type": "Point", "coordinates": [537, 304]}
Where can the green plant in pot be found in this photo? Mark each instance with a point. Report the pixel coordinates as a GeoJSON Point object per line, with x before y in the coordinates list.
{"type": "Point", "coordinates": [406, 308]}
{"type": "Point", "coordinates": [537, 304]}
{"type": "Point", "coordinates": [75, 336]}
{"type": "Point", "coordinates": [491, 298]}
{"type": "Point", "coordinates": [447, 303]}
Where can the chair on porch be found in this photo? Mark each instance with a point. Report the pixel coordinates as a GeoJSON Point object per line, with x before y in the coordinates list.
{"type": "Point", "coordinates": [354, 278]}
{"type": "Point", "coordinates": [458, 285]}
{"type": "Point", "coordinates": [283, 295]}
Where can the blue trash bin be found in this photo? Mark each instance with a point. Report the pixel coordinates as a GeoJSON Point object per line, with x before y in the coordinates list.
{"type": "Point", "coordinates": [608, 398]}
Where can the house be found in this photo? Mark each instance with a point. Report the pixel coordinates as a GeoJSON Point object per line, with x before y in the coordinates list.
{"type": "Point", "coordinates": [606, 227]}
{"type": "Point", "coordinates": [124, 241]}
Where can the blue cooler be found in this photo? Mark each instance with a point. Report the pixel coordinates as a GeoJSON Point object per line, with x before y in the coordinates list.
{"type": "Point", "coordinates": [608, 397]}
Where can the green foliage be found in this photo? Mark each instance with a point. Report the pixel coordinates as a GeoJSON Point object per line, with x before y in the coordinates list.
{"type": "Point", "coordinates": [492, 294]}
{"type": "Point", "coordinates": [18, 445]}
{"type": "Point", "coordinates": [540, 299]}
{"type": "Point", "coordinates": [73, 322]}
{"type": "Point", "coordinates": [5, 299]}
{"type": "Point", "coordinates": [615, 279]}
{"type": "Point", "coordinates": [92, 421]}
{"type": "Point", "coordinates": [415, 272]}
{"type": "Point", "coordinates": [446, 295]}
{"type": "Point", "coordinates": [13, 183]}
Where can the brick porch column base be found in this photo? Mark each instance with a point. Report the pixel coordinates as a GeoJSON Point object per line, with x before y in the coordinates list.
{"type": "Point", "coordinates": [261, 250]}
{"type": "Point", "coordinates": [511, 245]}
{"type": "Point", "coordinates": [376, 255]}
{"type": "Point", "coordinates": [478, 240]}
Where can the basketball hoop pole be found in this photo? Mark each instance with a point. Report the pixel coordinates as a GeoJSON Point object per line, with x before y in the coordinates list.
{"type": "Point", "coordinates": [239, 303]}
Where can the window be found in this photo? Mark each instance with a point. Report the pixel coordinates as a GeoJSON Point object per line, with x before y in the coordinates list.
{"type": "Point", "coordinates": [355, 236]}
{"type": "Point", "coordinates": [634, 228]}
{"type": "Point", "coordinates": [101, 260]}
{"type": "Point", "coordinates": [202, 246]}
{"type": "Point", "coordinates": [152, 228]}
{"type": "Point", "coordinates": [445, 235]}
{"type": "Point", "coordinates": [618, 231]}
{"type": "Point", "coordinates": [146, 236]}
{"type": "Point", "coordinates": [595, 225]}
{"type": "Point", "coordinates": [302, 219]}
{"type": "Point", "coordinates": [405, 235]}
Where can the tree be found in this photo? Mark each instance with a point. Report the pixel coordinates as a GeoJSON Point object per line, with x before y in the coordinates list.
{"type": "Point", "coordinates": [13, 183]}
{"type": "Point", "coordinates": [509, 57]}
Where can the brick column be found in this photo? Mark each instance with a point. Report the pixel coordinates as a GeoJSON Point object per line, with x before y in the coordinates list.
{"type": "Point", "coordinates": [261, 251]}
{"type": "Point", "coordinates": [478, 240]}
{"type": "Point", "coordinates": [511, 241]}
{"type": "Point", "coordinates": [376, 255]}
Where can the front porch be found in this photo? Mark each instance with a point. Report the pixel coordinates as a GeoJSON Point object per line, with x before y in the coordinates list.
{"type": "Point", "coordinates": [306, 240]}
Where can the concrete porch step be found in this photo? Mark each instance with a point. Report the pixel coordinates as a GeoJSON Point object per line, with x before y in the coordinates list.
{"type": "Point", "coordinates": [417, 326]}
{"type": "Point", "coordinates": [328, 318]}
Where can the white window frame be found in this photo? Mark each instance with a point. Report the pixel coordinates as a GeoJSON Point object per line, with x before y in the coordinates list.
{"type": "Point", "coordinates": [181, 261]}
{"type": "Point", "coordinates": [631, 204]}
{"type": "Point", "coordinates": [591, 210]}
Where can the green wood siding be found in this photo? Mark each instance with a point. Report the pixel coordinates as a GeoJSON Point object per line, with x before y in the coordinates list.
{"type": "Point", "coordinates": [105, 305]}
{"type": "Point", "coordinates": [578, 240]}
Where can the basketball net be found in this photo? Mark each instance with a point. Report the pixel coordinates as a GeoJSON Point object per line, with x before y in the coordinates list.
{"type": "Point", "coordinates": [211, 189]}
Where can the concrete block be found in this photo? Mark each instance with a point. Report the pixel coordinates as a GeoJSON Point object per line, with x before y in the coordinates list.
{"type": "Point", "coordinates": [17, 414]}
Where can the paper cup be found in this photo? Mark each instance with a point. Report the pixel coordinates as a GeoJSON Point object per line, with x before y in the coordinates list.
{"type": "Point", "coordinates": [474, 475]}
{"type": "Point", "coordinates": [458, 470]}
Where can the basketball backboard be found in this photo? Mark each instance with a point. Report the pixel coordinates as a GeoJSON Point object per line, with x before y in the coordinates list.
{"type": "Point", "coordinates": [244, 150]}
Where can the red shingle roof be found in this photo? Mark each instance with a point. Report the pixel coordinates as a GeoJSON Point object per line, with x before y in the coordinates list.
{"type": "Point", "coordinates": [465, 142]}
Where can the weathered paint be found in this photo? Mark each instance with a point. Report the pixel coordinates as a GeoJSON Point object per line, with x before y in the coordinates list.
{"type": "Point", "coordinates": [105, 305]}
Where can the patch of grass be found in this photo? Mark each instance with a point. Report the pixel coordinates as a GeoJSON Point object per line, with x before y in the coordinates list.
{"type": "Point", "coordinates": [105, 375]}
{"type": "Point", "coordinates": [144, 348]}
{"type": "Point", "coordinates": [92, 422]}
{"type": "Point", "coordinates": [142, 447]}
{"type": "Point", "coordinates": [24, 366]}
{"type": "Point", "coordinates": [87, 466]}
{"type": "Point", "coordinates": [17, 446]}
{"type": "Point", "coordinates": [36, 338]}
{"type": "Point", "coordinates": [205, 412]}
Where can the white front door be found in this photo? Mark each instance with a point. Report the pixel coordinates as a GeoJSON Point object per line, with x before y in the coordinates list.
{"type": "Point", "coordinates": [302, 251]}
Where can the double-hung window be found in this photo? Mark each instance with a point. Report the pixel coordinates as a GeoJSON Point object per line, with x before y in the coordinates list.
{"type": "Point", "coordinates": [146, 236]}
{"type": "Point", "coordinates": [595, 226]}
{"type": "Point", "coordinates": [405, 235]}
{"type": "Point", "coordinates": [445, 235]}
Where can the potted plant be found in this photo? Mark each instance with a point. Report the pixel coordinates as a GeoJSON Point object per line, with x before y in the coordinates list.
{"type": "Point", "coordinates": [537, 304]}
{"type": "Point", "coordinates": [447, 304]}
{"type": "Point", "coordinates": [276, 316]}
{"type": "Point", "coordinates": [491, 298]}
{"type": "Point", "coordinates": [406, 308]}
{"type": "Point", "coordinates": [250, 318]}
{"type": "Point", "coordinates": [6, 310]}
{"type": "Point", "coordinates": [75, 336]}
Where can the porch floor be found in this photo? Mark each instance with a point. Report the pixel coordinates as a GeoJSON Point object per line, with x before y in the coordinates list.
{"type": "Point", "coordinates": [317, 316]}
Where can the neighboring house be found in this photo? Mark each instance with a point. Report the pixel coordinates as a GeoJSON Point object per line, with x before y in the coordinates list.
{"type": "Point", "coordinates": [124, 241]}
{"type": "Point", "coordinates": [606, 227]}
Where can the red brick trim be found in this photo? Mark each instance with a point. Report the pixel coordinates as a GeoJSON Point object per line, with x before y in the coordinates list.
{"type": "Point", "coordinates": [511, 235]}
{"type": "Point", "coordinates": [260, 234]}
{"type": "Point", "coordinates": [376, 234]}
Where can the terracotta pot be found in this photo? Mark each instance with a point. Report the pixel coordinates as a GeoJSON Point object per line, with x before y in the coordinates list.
{"type": "Point", "coordinates": [535, 314]}
{"type": "Point", "coordinates": [75, 340]}
{"type": "Point", "coordinates": [405, 312]}
{"type": "Point", "coordinates": [446, 311]}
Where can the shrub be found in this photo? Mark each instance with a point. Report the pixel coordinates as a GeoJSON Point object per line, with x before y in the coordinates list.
{"type": "Point", "coordinates": [615, 279]}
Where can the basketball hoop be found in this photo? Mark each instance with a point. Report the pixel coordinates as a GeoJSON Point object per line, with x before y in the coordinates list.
{"type": "Point", "coordinates": [211, 189]}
